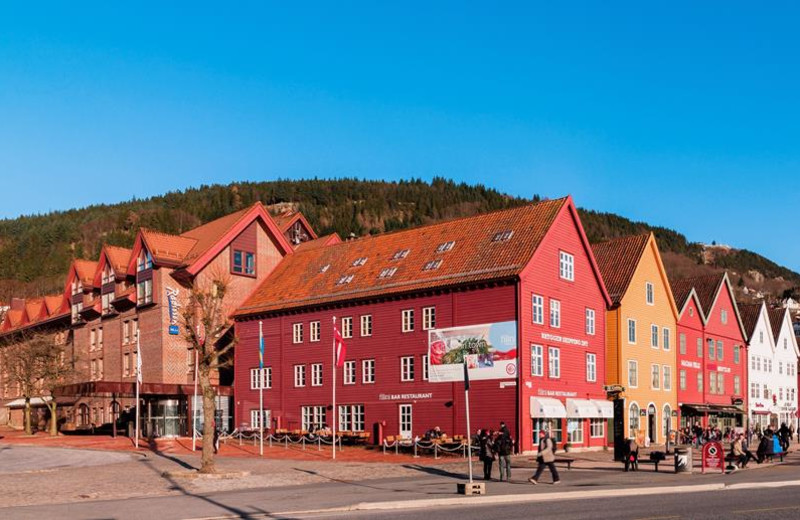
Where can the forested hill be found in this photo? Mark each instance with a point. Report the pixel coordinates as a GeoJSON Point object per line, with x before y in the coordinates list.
{"type": "Point", "coordinates": [35, 251]}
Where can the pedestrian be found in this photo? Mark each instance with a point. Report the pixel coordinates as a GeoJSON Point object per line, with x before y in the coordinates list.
{"type": "Point", "coordinates": [486, 453]}
{"type": "Point", "coordinates": [784, 435]}
{"type": "Point", "coordinates": [742, 454]}
{"type": "Point", "coordinates": [504, 429]}
{"type": "Point", "coordinates": [504, 446]}
{"type": "Point", "coordinates": [764, 447]}
{"type": "Point", "coordinates": [631, 454]}
{"type": "Point", "coordinates": [546, 457]}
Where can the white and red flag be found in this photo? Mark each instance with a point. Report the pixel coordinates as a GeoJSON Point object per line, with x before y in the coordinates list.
{"type": "Point", "coordinates": [341, 349]}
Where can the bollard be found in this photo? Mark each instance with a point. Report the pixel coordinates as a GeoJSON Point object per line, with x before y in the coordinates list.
{"type": "Point", "coordinates": [319, 443]}
{"type": "Point", "coordinates": [240, 439]}
{"type": "Point", "coordinates": [396, 447]}
{"type": "Point", "coordinates": [286, 442]}
{"type": "Point", "coordinates": [415, 451]}
{"type": "Point", "coordinates": [270, 440]}
{"type": "Point", "coordinates": [384, 446]}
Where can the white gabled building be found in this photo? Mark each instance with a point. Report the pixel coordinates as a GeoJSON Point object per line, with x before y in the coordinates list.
{"type": "Point", "coordinates": [761, 364]}
{"type": "Point", "coordinates": [784, 375]}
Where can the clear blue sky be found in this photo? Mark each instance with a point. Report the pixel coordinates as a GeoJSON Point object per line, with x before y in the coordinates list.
{"type": "Point", "coordinates": [682, 115]}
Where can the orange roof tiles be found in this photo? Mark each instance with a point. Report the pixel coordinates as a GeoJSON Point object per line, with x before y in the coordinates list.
{"type": "Point", "coordinates": [284, 220]}
{"type": "Point", "coordinates": [54, 304]}
{"type": "Point", "coordinates": [617, 260]}
{"type": "Point", "coordinates": [85, 270]}
{"type": "Point", "coordinates": [118, 257]}
{"type": "Point", "coordinates": [166, 248]}
{"type": "Point", "coordinates": [318, 242]}
{"type": "Point", "coordinates": [299, 279]}
{"type": "Point", "coordinates": [207, 235]}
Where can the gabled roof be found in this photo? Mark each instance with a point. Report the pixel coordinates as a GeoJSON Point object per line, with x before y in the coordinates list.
{"type": "Point", "coordinates": [311, 275]}
{"type": "Point", "coordinates": [618, 260]}
{"type": "Point", "coordinates": [681, 291]}
{"type": "Point", "coordinates": [210, 233]}
{"type": "Point", "coordinates": [287, 219]}
{"type": "Point", "coordinates": [118, 258]}
{"type": "Point", "coordinates": [705, 287]}
{"type": "Point", "coordinates": [35, 309]}
{"type": "Point", "coordinates": [85, 270]}
{"type": "Point", "coordinates": [776, 317]}
{"type": "Point", "coordinates": [750, 312]}
{"type": "Point", "coordinates": [323, 241]}
{"type": "Point", "coordinates": [55, 304]}
{"type": "Point", "coordinates": [166, 248]}
{"type": "Point", "coordinates": [14, 318]}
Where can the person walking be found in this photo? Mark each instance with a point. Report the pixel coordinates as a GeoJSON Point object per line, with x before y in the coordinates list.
{"type": "Point", "coordinates": [631, 454]}
{"type": "Point", "coordinates": [546, 457]}
{"type": "Point", "coordinates": [784, 435]}
{"type": "Point", "coordinates": [504, 446]}
{"type": "Point", "coordinates": [486, 453]}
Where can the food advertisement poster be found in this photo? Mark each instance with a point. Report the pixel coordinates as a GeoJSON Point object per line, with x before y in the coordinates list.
{"type": "Point", "coordinates": [489, 350]}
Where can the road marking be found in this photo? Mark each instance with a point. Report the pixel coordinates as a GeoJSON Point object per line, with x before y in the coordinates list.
{"type": "Point", "coordinates": [658, 517]}
{"type": "Point", "coordinates": [744, 511]}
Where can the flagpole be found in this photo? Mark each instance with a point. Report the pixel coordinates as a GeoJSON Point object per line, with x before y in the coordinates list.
{"type": "Point", "coordinates": [261, 387]}
{"type": "Point", "coordinates": [194, 402]}
{"type": "Point", "coordinates": [138, 378]}
{"type": "Point", "coordinates": [469, 431]}
{"type": "Point", "coordinates": [333, 366]}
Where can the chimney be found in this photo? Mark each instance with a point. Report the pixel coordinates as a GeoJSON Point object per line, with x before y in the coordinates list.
{"type": "Point", "coordinates": [17, 304]}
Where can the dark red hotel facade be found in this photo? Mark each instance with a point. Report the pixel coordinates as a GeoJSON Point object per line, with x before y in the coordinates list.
{"type": "Point", "coordinates": [543, 277]}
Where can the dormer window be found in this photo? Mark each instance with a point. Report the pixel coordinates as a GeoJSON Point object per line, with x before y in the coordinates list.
{"type": "Point", "coordinates": [145, 261]}
{"type": "Point", "coordinates": [358, 262]}
{"type": "Point", "coordinates": [502, 236]}
{"type": "Point", "coordinates": [243, 262]}
{"type": "Point", "coordinates": [324, 268]}
{"type": "Point", "coordinates": [344, 280]}
{"type": "Point", "coordinates": [446, 246]}
{"type": "Point", "coordinates": [388, 272]}
{"type": "Point", "coordinates": [432, 265]}
{"type": "Point", "coordinates": [401, 254]}
{"type": "Point", "coordinates": [108, 275]}
{"type": "Point", "coordinates": [77, 287]}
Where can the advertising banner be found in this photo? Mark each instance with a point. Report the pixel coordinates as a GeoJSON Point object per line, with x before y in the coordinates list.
{"type": "Point", "coordinates": [489, 350]}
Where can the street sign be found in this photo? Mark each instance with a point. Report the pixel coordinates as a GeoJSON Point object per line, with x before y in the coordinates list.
{"type": "Point", "coordinates": [713, 457]}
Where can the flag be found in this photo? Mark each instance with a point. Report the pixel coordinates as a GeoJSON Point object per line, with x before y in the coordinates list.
{"type": "Point", "coordinates": [138, 359]}
{"type": "Point", "coordinates": [260, 350]}
{"type": "Point", "coordinates": [341, 350]}
{"type": "Point", "coordinates": [466, 377]}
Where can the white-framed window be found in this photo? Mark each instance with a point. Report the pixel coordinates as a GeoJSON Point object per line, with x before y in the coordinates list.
{"type": "Point", "coordinates": [145, 261]}
{"type": "Point", "coordinates": [299, 376]}
{"type": "Point", "coordinates": [554, 362]}
{"type": "Point", "coordinates": [256, 417]}
{"type": "Point", "coordinates": [555, 314]}
{"type": "Point", "coordinates": [737, 354]}
{"type": "Point", "coordinates": [723, 316]}
{"type": "Point", "coordinates": [368, 371]}
{"type": "Point", "coordinates": [712, 382]}
{"type": "Point", "coordinates": [537, 360]}
{"type": "Point", "coordinates": [649, 294]}
{"type": "Point", "coordinates": [590, 322]}
{"type": "Point", "coordinates": [313, 331]}
{"type": "Point", "coordinates": [681, 342]}
{"type": "Point", "coordinates": [297, 333]}
{"type": "Point", "coordinates": [633, 420]}
{"type": "Point", "coordinates": [591, 367]}
{"type": "Point", "coordinates": [631, 331]}
{"type": "Point", "coordinates": [566, 266]}
{"type": "Point", "coordinates": [366, 325]}
{"type": "Point", "coordinates": [699, 381]}
{"type": "Point", "coordinates": [537, 308]}
{"type": "Point", "coordinates": [711, 352]}
{"type": "Point", "coordinates": [666, 373]}
{"type": "Point", "coordinates": [667, 344]}
{"type": "Point", "coordinates": [349, 372]}
{"type": "Point", "coordinates": [633, 374]}
{"type": "Point", "coordinates": [780, 367]}
{"type": "Point", "coordinates": [126, 364]}
{"type": "Point", "coordinates": [700, 347]}
{"type": "Point", "coordinates": [265, 378]}
{"type": "Point", "coordinates": [737, 385]}
{"type": "Point", "coordinates": [407, 368]}
{"type": "Point", "coordinates": [316, 374]}
{"type": "Point", "coordinates": [425, 367]}
{"type": "Point", "coordinates": [683, 379]}
{"type": "Point", "coordinates": [761, 336]}
{"type": "Point", "coordinates": [655, 380]}
{"type": "Point", "coordinates": [575, 431]}
{"type": "Point", "coordinates": [445, 246]}
{"type": "Point", "coordinates": [313, 417]}
{"type": "Point", "coordinates": [720, 383]}
{"type": "Point", "coordinates": [597, 428]}
{"type": "Point", "coordinates": [654, 336]}
{"type": "Point", "coordinates": [351, 417]}
{"type": "Point", "coordinates": [408, 320]}
{"type": "Point", "coordinates": [347, 327]}
{"type": "Point", "coordinates": [144, 292]}
{"type": "Point", "coordinates": [428, 318]}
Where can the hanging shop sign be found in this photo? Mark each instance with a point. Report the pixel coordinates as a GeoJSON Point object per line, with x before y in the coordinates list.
{"type": "Point", "coordinates": [488, 350]}
{"type": "Point", "coordinates": [173, 305]}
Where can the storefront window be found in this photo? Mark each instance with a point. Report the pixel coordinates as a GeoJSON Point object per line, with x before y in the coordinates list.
{"type": "Point", "coordinates": [552, 425]}
{"type": "Point", "coordinates": [633, 421]}
{"type": "Point", "coordinates": [575, 431]}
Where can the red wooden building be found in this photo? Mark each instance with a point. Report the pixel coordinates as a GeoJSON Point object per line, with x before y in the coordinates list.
{"type": "Point", "coordinates": [531, 266]}
{"type": "Point", "coordinates": [712, 353]}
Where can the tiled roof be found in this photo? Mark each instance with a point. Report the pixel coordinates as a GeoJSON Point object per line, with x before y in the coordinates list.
{"type": "Point", "coordinates": [283, 220]}
{"type": "Point", "coordinates": [750, 313]}
{"type": "Point", "coordinates": [54, 304]}
{"type": "Point", "coordinates": [705, 287]}
{"type": "Point", "coordinates": [776, 321]}
{"type": "Point", "coordinates": [681, 289]}
{"type": "Point", "coordinates": [118, 257]}
{"type": "Point", "coordinates": [166, 248]}
{"type": "Point", "coordinates": [210, 233]}
{"type": "Point", "coordinates": [318, 242]}
{"type": "Point", "coordinates": [14, 317]}
{"type": "Point", "coordinates": [617, 260]}
{"type": "Point", "coordinates": [311, 276]}
{"type": "Point", "coordinates": [34, 308]}
{"type": "Point", "coordinates": [85, 270]}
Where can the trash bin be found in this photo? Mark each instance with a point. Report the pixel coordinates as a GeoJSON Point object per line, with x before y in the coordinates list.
{"type": "Point", "coordinates": [683, 460]}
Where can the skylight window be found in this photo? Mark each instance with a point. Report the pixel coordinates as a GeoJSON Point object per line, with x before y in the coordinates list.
{"type": "Point", "coordinates": [344, 280]}
{"type": "Point", "coordinates": [432, 265]}
{"type": "Point", "coordinates": [502, 236]}
{"type": "Point", "coordinates": [324, 268]}
{"type": "Point", "coordinates": [387, 272]}
{"type": "Point", "coordinates": [401, 254]}
{"type": "Point", "coordinates": [446, 246]}
{"type": "Point", "coordinates": [358, 262]}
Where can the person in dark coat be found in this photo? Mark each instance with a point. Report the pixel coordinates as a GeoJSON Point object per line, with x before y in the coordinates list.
{"type": "Point", "coordinates": [764, 447]}
{"type": "Point", "coordinates": [784, 435]}
{"type": "Point", "coordinates": [631, 455]}
{"type": "Point", "coordinates": [546, 457]}
{"type": "Point", "coordinates": [486, 453]}
{"type": "Point", "coordinates": [504, 446]}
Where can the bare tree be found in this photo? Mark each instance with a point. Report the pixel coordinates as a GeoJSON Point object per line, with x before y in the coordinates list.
{"type": "Point", "coordinates": [36, 364]}
{"type": "Point", "coordinates": [207, 330]}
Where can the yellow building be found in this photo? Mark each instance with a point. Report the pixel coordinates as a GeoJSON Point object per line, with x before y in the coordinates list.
{"type": "Point", "coordinates": [641, 337]}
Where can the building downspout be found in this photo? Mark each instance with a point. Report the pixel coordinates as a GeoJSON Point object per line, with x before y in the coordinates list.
{"type": "Point", "coordinates": [519, 392]}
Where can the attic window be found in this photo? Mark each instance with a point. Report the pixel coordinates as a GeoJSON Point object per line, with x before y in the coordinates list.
{"type": "Point", "coordinates": [145, 261]}
{"type": "Point", "coordinates": [433, 264]}
{"type": "Point", "coordinates": [324, 268]}
{"type": "Point", "coordinates": [502, 236]}
{"type": "Point", "coordinates": [446, 246]}
{"type": "Point", "coordinates": [108, 275]}
{"type": "Point", "coordinates": [388, 272]}
{"type": "Point", "coordinates": [344, 280]}
{"type": "Point", "coordinates": [358, 262]}
{"type": "Point", "coordinates": [401, 254]}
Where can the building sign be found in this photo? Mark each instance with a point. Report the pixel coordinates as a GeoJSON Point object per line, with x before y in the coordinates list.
{"type": "Point", "coordinates": [727, 370]}
{"type": "Point", "coordinates": [689, 364]}
{"type": "Point", "coordinates": [173, 305]}
{"type": "Point", "coordinates": [713, 457]}
{"type": "Point", "coordinates": [489, 350]}
{"type": "Point", "coordinates": [557, 393]}
{"type": "Point", "coordinates": [404, 397]}
{"type": "Point", "coordinates": [561, 339]}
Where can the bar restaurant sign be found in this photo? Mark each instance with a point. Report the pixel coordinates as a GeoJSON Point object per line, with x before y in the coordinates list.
{"type": "Point", "coordinates": [173, 305]}
{"type": "Point", "coordinates": [489, 351]}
